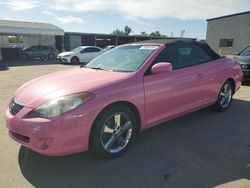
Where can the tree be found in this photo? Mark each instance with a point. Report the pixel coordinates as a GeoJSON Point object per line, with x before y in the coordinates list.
{"type": "Point", "coordinates": [157, 34]}
{"type": "Point", "coordinates": [127, 30]}
{"type": "Point", "coordinates": [143, 33]}
{"type": "Point", "coordinates": [117, 32]}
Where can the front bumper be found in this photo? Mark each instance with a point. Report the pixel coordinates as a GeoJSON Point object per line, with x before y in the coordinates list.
{"type": "Point", "coordinates": [62, 60]}
{"type": "Point", "coordinates": [63, 135]}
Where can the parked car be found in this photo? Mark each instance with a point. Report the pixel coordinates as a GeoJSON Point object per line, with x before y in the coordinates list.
{"type": "Point", "coordinates": [244, 59]}
{"type": "Point", "coordinates": [82, 54]}
{"type": "Point", "coordinates": [109, 47]}
{"type": "Point", "coordinates": [39, 51]}
{"type": "Point", "coordinates": [1, 58]}
{"type": "Point", "coordinates": [133, 87]}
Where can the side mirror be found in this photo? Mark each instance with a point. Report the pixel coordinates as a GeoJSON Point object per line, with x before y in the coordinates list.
{"type": "Point", "coordinates": [161, 67]}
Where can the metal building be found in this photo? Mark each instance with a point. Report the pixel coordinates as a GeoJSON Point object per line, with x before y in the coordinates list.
{"type": "Point", "coordinates": [31, 33]}
{"type": "Point", "coordinates": [229, 34]}
{"type": "Point", "coordinates": [75, 39]}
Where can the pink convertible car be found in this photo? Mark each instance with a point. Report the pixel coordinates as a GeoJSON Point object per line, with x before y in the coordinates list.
{"type": "Point", "coordinates": [128, 89]}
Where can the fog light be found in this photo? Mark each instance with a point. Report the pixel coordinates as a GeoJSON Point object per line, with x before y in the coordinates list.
{"type": "Point", "coordinates": [48, 141]}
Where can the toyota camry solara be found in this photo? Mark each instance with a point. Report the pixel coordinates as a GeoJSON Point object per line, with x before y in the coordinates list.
{"type": "Point", "coordinates": [128, 89]}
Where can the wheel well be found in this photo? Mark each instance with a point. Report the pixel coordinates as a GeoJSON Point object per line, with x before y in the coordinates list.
{"type": "Point", "coordinates": [130, 106]}
{"type": "Point", "coordinates": [233, 83]}
{"type": "Point", "coordinates": [123, 103]}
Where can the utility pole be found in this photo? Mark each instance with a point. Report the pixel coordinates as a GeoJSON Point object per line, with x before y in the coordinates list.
{"type": "Point", "coordinates": [182, 32]}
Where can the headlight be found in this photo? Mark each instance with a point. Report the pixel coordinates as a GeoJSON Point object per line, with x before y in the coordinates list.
{"type": "Point", "coordinates": [61, 105]}
{"type": "Point", "coordinates": [244, 66]}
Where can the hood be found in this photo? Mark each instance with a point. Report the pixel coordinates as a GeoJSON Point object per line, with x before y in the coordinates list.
{"type": "Point", "coordinates": [242, 59]}
{"type": "Point", "coordinates": [62, 83]}
{"type": "Point", "coordinates": [66, 53]}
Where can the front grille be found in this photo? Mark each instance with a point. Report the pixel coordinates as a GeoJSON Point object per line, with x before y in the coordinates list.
{"type": "Point", "coordinates": [15, 107]}
{"type": "Point", "coordinates": [19, 137]}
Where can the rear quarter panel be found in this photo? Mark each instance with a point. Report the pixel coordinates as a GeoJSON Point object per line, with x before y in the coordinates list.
{"type": "Point", "coordinates": [218, 71]}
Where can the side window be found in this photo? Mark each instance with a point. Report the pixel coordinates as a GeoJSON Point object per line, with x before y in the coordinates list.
{"type": "Point", "coordinates": [33, 48]}
{"type": "Point", "coordinates": [88, 50]}
{"type": "Point", "coordinates": [183, 55]}
{"type": "Point", "coordinates": [43, 48]}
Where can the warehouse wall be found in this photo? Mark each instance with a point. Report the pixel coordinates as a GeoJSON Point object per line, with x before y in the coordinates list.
{"type": "Point", "coordinates": [235, 27]}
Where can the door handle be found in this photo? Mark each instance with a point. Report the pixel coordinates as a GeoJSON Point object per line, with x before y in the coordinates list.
{"type": "Point", "coordinates": [200, 76]}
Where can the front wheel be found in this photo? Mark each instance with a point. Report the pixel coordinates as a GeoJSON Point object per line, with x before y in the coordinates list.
{"type": "Point", "coordinates": [225, 97]}
{"type": "Point", "coordinates": [113, 131]}
{"type": "Point", "coordinates": [74, 60]}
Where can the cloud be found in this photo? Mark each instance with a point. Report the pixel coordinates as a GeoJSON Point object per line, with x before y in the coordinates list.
{"type": "Point", "coordinates": [16, 5]}
{"type": "Point", "coordinates": [148, 9]}
{"type": "Point", "coordinates": [137, 20]}
{"type": "Point", "coordinates": [65, 19]}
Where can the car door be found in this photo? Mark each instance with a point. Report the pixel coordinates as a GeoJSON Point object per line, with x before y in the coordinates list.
{"type": "Point", "coordinates": [94, 52]}
{"type": "Point", "coordinates": [31, 51]}
{"type": "Point", "coordinates": [43, 51]}
{"type": "Point", "coordinates": [171, 94]}
{"type": "Point", "coordinates": [86, 54]}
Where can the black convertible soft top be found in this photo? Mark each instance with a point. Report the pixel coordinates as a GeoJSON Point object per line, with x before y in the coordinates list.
{"type": "Point", "coordinates": [169, 42]}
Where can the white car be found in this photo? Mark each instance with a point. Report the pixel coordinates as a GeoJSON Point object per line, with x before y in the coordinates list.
{"type": "Point", "coordinates": [81, 54]}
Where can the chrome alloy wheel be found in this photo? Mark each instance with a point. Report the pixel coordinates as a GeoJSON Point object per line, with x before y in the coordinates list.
{"type": "Point", "coordinates": [116, 132]}
{"type": "Point", "coordinates": [226, 95]}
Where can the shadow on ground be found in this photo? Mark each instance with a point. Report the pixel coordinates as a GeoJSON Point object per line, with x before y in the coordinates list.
{"type": "Point", "coordinates": [3, 68]}
{"type": "Point", "coordinates": [4, 65]}
{"type": "Point", "coordinates": [27, 63]}
{"type": "Point", "coordinates": [203, 149]}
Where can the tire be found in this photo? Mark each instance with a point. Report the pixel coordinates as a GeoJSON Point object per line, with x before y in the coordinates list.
{"type": "Point", "coordinates": [113, 132]}
{"type": "Point", "coordinates": [225, 96]}
{"type": "Point", "coordinates": [74, 60]}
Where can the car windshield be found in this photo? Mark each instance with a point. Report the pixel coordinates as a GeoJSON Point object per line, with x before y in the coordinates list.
{"type": "Point", "coordinates": [27, 47]}
{"type": "Point", "coordinates": [78, 49]}
{"type": "Point", "coordinates": [246, 52]}
{"type": "Point", "coordinates": [123, 59]}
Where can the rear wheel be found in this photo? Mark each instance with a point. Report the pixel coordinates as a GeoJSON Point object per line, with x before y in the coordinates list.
{"type": "Point", "coordinates": [225, 97]}
{"type": "Point", "coordinates": [74, 60]}
{"type": "Point", "coordinates": [113, 131]}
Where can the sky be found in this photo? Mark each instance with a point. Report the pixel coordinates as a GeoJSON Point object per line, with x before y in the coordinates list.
{"type": "Point", "coordinates": [103, 16]}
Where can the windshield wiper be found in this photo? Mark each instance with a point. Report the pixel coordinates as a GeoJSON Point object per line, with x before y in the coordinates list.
{"type": "Point", "coordinates": [99, 68]}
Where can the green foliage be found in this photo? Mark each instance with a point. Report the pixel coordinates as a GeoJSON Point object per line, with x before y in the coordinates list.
{"type": "Point", "coordinates": [127, 30]}
{"type": "Point", "coordinates": [157, 34]}
{"type": "Point", "coordinates": [15, 39]}
{"type": "Point", "coordinates": [143, 33]}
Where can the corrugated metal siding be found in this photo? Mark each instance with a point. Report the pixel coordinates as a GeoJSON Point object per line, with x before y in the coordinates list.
{"type": "Point", "coordinates": [236, 27]}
